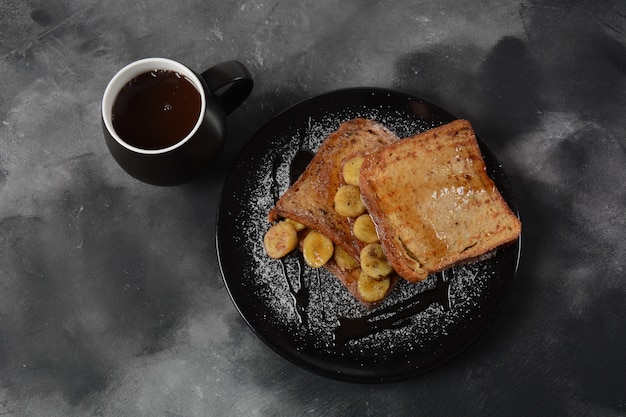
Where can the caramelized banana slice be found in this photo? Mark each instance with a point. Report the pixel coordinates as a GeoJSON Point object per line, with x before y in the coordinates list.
{"type": "Point", "coordinates": [344, 260]}
{"type": "Point", "coordinates": [372, 289]}
{"type": "Point", "coordinates": [351, 170]}
{"type": "Point", "coordinates": [364, 229]}
{"type": "Point", "coordinates": [317, 249]}
{"type": "Point", "coordinates": [296, 225]}
{"type": "Point", "coordinates": [374, 262]}
{"type": "Point", "coordinates": [348, 201]}
{"type": "Point", "coordinates": [280, 239]}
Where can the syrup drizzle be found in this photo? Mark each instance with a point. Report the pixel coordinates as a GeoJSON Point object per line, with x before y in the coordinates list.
{"type": "Point", "coordinates": [275, 188]}
{"type": "Point", "coordinates": [394, 316]}
{"type": "Point", "coordinates": [300, 294]}
{"type": "Point", "coordinates": [299, 163]}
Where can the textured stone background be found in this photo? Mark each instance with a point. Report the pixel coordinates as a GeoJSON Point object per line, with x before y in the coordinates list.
{"type": "Point", "coordinates": [111, 300]}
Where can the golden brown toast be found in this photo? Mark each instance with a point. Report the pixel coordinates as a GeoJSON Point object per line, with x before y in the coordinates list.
{"type": "Point", "coordinates": [433, 203]}
{"type": "Point", "coordinates": [310, 200]}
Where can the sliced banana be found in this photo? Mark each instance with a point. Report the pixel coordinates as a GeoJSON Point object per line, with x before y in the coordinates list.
{"type": "Point", "coordinates": [344, 260]}
{"type": "Point", "coordinates": [317, 249]}
{"type": "Point", "coordinates": [374, 262]}
{"type": "Point", "coordinates": [296, 225]}
{"type": "Point", "coordinates": [348, 201]}
{"type": "Point", "coordinates": [352, 169]}
{"type": "Point", "coordinates": [280, 239]}
{"type": "Point", "coordinates": [372, 289]}
{"type": "Point", "coordinates": [364, 229]}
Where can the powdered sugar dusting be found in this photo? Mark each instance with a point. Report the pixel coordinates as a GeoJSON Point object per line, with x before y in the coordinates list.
{"type": "Point", "coordinates": [311, 305]}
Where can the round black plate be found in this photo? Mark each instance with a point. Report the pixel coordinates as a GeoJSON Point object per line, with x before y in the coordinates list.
{"type": "Point", "coordinates": [306, 315]}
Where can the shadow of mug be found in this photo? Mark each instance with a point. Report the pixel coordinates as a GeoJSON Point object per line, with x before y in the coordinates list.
{"type": "Point", "coordinates": [142, 146]}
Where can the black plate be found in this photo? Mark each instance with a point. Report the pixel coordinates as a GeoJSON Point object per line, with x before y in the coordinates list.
{"type": "Point", "coordinates": [306, 315]}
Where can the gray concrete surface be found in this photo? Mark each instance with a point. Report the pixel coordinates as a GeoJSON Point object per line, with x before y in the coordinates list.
{"type": "Point", "coordinates": [111, 299]}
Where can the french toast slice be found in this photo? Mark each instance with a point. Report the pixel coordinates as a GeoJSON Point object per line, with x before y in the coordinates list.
{"type": "Point", "coordinates": [433, 203]}
{"type": "Point", "coordinates": [310, 200]}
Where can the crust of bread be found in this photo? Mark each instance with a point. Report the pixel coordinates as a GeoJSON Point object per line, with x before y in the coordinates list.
{"type": "Point", "coordinates": [433, 203]}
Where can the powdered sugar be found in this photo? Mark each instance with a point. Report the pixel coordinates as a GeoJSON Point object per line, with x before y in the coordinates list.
{"type": "Point", "coordinates": [310, 310]}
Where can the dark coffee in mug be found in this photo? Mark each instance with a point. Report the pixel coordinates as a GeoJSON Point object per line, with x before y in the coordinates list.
{"type": "Point", "coordinates": [164, 123]}
{"type": "Point", "coordinates": [156, 109]}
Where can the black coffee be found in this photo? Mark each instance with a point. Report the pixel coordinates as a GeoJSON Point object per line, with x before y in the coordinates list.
{"type": "Point", "coordinates": [156, 109]}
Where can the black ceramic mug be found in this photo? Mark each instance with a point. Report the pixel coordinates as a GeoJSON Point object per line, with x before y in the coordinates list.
{"type": "Point", "coordinates": [163, 123]}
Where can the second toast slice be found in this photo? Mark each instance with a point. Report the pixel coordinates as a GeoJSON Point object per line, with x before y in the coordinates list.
{"type": "Point", "coordinates": [433, 203]}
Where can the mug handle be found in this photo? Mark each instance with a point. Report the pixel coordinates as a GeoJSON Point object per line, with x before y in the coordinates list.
{"type": "Point", "coordinates": [231, 82]}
